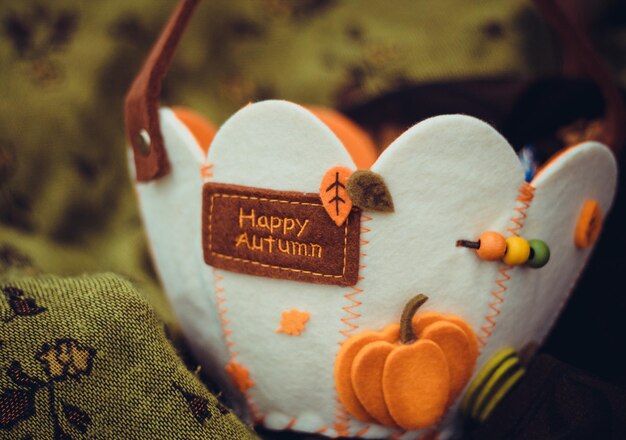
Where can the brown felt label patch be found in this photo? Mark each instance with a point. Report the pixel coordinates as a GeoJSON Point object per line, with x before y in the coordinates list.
{"type": "Point", "coordinates": [278, 234]}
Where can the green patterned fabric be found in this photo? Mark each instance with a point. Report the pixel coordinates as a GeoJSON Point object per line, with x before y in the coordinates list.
{"type": "Point", "coordinates": [86, 357]}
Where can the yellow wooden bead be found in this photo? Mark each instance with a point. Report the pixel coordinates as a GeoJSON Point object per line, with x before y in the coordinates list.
{"type": "Point", "coordinates": [517, 251]}
{"type": "Point", "coordinates": [492, 246]}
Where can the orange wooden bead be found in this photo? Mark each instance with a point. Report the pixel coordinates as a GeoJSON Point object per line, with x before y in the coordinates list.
{"type": "Point", "coordinates": [492, 246]}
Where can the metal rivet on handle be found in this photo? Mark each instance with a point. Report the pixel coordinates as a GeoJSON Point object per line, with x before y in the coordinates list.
{"type": "Point", "coordinates": [143, 139]}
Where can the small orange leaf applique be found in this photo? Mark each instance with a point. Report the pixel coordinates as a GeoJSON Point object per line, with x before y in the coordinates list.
{"type": "Point", "coordinates": [240, 376]}
{"type": "Point", "coordinates": [334, 194]}
{"type": "Point", "coordinates": [293, 322]}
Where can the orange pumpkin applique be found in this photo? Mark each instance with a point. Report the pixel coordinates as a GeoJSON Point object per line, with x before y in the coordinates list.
{"type": "Point", "coordinates": [406, 375]}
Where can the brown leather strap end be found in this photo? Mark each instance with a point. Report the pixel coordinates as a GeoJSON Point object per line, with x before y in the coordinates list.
{"type": "Point", "coordinates": [142, 100]}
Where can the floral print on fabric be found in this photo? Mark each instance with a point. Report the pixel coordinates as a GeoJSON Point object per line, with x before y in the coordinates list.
{"type": "Point", "coordinates": [20, 304]}
{"type": "Point", "coordinates": [65, 359]}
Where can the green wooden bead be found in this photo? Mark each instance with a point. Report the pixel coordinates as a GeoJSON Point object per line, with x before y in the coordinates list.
{"type": "Point", "coordinates": [539, 254]}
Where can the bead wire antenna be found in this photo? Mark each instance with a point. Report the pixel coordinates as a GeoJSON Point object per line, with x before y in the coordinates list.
{"type": "Point", "coordinates": [468, 244]}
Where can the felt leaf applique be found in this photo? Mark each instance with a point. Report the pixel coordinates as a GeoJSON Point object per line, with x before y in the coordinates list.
{"type": "Point", "coordinates": [293, 322]}
{"type": "Point", "coordinates": [334, 194]}
{"type": "Point", "coordinates": [240, 375]}
{"type": "Point", "coordinates": [368, 191]}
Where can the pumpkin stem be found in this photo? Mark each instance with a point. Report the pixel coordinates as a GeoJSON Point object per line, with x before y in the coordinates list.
{"type": "Point", "coordinates": [407, 335]}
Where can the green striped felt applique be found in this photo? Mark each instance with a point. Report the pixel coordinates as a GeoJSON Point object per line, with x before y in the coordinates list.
{"type": "Point", "coordinates": [491, 384]}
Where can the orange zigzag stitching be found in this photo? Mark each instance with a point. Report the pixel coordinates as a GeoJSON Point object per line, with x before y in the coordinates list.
{"type": "Point", "coordinates": [353, 315]}
{"type": "Point", "coordinates": [487, 329]}
{"type": "Point", "coordinates": [322, 430]}
{"type": "Point", "coordinates": [341, 422]}
{"type": "Point", "coordinates": [351, 295]}
{"type": "Point", "coordinates": [206, 170]}
{"type": "Point", "coordinates": [525, 197]}
{"type": "Point", "coordinates": [362, 431]}
{"type": "Point", "coordinates": [222, 311]}
{"type": "Point", "coordinates": [342, 418]}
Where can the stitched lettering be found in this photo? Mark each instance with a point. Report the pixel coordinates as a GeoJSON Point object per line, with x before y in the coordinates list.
{"type": "Point", "coordinates": [262, 222]}
{"type": "Point", "coordinates": [266, 244]}
{"type": "Point", "coordinates": [284, 250]}
{"type": "Point", "coordinates": [270, 242]}
{"type": "Point", "coordinates": [242, 217]}
{"type": "Point", "coordinates": [302, 226]}
{"type": "Point", "coordinates": [291, 223]}
{"type": "Point", "coordinates": [272, 223]}
{"type": "Point", "coordinates": [275, 223]}
{"type": "Point", "coordinates": [318, 248]}
{"type": "Point", "coordinates": [300, 248]}
{"type": "Point", "coordinates": [278, 234]}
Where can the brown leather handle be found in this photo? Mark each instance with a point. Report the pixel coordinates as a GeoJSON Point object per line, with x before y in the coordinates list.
{"type": "Point", "coordinates": [142, 100]}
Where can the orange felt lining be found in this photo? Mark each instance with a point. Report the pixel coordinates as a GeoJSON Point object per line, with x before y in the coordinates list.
{"type": "Point", "coordinates": [200, 127]}
{"type": "Point", "coordinates": [553, 159]}
{"type": "Point", "coordinates": [356, 141]}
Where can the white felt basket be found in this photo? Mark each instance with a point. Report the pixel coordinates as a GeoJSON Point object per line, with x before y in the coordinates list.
{"type": "Point", "coordinates": [275, 340]}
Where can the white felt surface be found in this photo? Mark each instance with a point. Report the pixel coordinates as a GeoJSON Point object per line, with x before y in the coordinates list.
{"type": "Point", "coordinates": [588, 171]}
{"type": "Point", "coordinates": [536, 296]}
{"type": "Point", "coordinates": [451, 177]}
{"type": "Point", "coordinates": [170, 209]}
{"type": "Point", "coordinates": [282, 146]}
